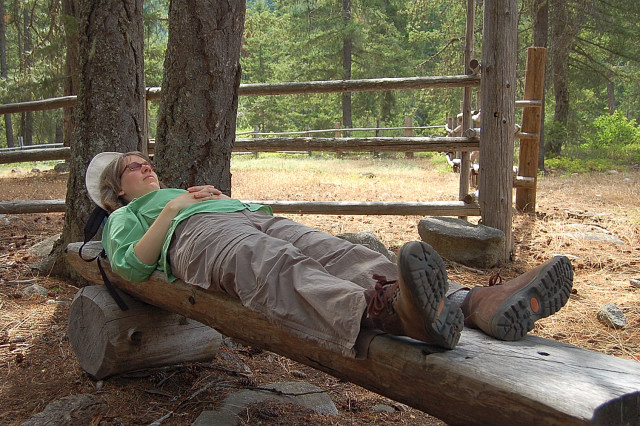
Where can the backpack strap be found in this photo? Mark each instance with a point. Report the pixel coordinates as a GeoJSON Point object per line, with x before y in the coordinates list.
{"type": "Point", "coordinates": [95, 221]}
{"type": "Point", "coordinates": [112, 290]}
{"type": "Point", "coordinates": [96, 218]}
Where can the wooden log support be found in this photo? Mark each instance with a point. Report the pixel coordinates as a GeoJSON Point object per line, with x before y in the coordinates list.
{"type": "Point", "coordinates": [355, 144]}
{"type": "Point", "coordinates": [483, 381]}
{"type": "Point", "coordinates": [529, 103]}
{"type": "Point", "coordinates": [467, 113]}
{"type": "Point", "coordinates": [524, 182]}
{"type": "Point", "coordinates": [39, 105]}
{"type": "Point", "coordinates": [285, 88]}
{"type": "Point", "coordinates": [108, 341]}
{"type": "Point", "coordinates": [364, 144]}
{"type": "Point", "coordinates": [531, 125]}
{"type": "Point", "coordinates": [44, 154]}
{"type": "Point", "coordinates": [499, 54]}
{"type": "Point", "coordinates": [32, 206]}
{"type": "Point", "coordinates": [526, 137]}
{"type": "Point", "coordinates": [427, 208]}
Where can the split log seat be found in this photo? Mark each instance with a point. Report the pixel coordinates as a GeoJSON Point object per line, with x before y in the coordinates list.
{"type": "Point", "coordinates": [482, 381]}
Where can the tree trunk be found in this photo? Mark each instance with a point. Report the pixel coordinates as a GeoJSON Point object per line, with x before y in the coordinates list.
{"type": "Point", "coordinates": [540, 39]}
{"type": "Point", "coordinates": [561, 37]}
{"type": "Point", "coordinates": [4, 72]}
{"type": "Point", "coordinates": [347, 49]}
{"type": "Point", "coordinates": [499, 52]}
{"type": "Point", "coordinates": [110, 108]}
{"type": "Point", "coordinates": [27, 125]}
{"type": "Point", "coordinates": [70, 10]}
{"type": "Point", "coordinates": [199, 103]}
{"type": "Point", "coordinates": [611, 96]}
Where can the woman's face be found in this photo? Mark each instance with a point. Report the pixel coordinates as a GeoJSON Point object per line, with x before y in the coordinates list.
{"type": "Point", "coordinates": [136, 183]}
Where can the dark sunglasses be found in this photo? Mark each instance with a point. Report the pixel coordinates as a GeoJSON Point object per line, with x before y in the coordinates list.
{"type": "Point", "coordinates": [134, 165]}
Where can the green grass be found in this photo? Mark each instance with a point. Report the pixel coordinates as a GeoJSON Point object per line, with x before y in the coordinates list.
{"type": "Point", "coordinates": [326, 162]}
{"type": "Point", "coordinates": [7, 169]}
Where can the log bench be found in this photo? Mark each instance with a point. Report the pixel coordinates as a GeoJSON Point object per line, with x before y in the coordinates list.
{"type": "Point", "coordinates": [482, 381]}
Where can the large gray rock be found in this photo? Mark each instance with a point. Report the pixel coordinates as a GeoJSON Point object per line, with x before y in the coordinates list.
{"type": "Point", "coordinates": [83, 409]}
{"type": "Point", "coordinates": [301, 393]}
{"type": "Point", "coordinates": [62, 167]}
{"type": "Point", "coordinates": [368, 239]}
{"type": "Point", "coordinates": [611, 316]}
{"type": "Point", "coordinates": [42, 252]}
{"type": "Point", "coordinates": [460, 241]}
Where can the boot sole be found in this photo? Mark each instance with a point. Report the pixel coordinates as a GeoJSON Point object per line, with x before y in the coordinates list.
{"type": "Point", "coordinates": [424, 277]}
{"type": "Point", "coordinates": [549, 290]}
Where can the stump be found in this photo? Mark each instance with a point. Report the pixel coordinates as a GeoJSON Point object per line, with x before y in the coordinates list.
{"type": "Point", "coordinates": [108, 341]}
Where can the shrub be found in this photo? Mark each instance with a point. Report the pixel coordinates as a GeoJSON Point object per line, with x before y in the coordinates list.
{"type": "Point", "coordinates": [613, 136]}
{"type": "Point", "coordinates": [576, 165]}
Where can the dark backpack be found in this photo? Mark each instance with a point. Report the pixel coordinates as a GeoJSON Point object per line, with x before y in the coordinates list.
{"type": "Point", "coordinates": [95, 221]}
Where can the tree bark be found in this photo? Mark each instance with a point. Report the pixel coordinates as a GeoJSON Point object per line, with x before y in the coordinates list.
{"type": "Point", "coordinates": [199, 102]}
{"type": "Point", "coordinates": [540, 39]}
{"type": "Point", "coordinates": [483, 381]}
{"type": "Point", "coordinates": [561, 42]}
{"type": "Point", "coordinates": [70, 11]}
{"type": "Point", "coordinates": [27, 123]}
{"type": "Point", "coordinates": [110, 107]}
{"type": "Point", "coordinates": [4, 72]}
{"type": "Point", "coordinates": [108, 341]}
{"type": "Point", "coordinates": [499, 53]}
{"type": "Point", "coordinates": [347, 49]}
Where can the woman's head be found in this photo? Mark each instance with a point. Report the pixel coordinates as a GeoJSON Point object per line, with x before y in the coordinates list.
{"type": "Point", "coordinates": [128, 176]}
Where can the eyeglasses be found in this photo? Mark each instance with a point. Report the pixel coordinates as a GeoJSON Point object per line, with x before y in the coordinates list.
{"type": "Point", "coordinates": [134, 165]}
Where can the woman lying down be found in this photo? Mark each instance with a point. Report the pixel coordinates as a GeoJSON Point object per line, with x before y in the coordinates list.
{"type": "Point", "coordinates": [311, 284]}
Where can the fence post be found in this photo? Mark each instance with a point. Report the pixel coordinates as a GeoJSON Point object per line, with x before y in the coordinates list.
{"type": "Point", "coordinates": [499, 54]}
{"type": "Point", "coordinates": [256, 130]}
{"type": "Point", "coordinates": [465, 157]}
{"type": "Point", "coordinates": [145, 148]}
{"type": "Point", "coordinates": [378, 133]}
{"type": "Point", "coordinates": [408, 132]}
{"type": "Point", "coordinates": [531, 126]}
{"type": "Point", "coordinates": [307, 128]}
{"type": "Point", "coordinates": [338, 134]}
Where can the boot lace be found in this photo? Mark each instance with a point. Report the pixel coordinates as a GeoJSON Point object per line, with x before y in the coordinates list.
{"type": "Point", "coordinates": [380, 301]}
{"type": "Point", "coordinates": [495, 279]}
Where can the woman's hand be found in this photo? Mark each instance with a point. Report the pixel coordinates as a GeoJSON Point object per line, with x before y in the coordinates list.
{"type": "Point", "coordinates": [195, 195]}
{"type": "Point", "coordinates": [208, 192]}
{"type": "Point", "coordinates": [149, 247]}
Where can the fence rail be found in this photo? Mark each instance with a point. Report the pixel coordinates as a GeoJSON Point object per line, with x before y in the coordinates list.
{"type": "Point", "coordinates": [287, 88]}
{"type": "Point", "coordinates": [278, 142]}
{"type": "Point", "coordinates": [441, 208]}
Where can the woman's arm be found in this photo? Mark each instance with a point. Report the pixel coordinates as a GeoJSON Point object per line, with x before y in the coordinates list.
{"type": "Point", "coordinates": [150, 245]}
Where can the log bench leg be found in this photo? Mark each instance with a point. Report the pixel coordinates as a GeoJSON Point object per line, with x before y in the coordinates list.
{"type": "Point", "coordinates": [108, 341]}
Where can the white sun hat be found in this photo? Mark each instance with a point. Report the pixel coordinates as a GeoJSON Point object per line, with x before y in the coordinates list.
{"type": "Point", "coordinates": [94, 174]}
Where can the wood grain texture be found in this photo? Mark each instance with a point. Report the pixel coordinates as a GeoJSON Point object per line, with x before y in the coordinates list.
{"type": "Point", "coordinates": [483, 381]}
{"type": "Point", "coordinates": [108, 341]}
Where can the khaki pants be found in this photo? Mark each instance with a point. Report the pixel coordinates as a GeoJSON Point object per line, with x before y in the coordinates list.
{"type": "Point", "coordinates": [308, 282]}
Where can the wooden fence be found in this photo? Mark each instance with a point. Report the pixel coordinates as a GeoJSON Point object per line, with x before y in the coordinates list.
{"type": "Point", "coordinates": [291, 142]}
{"type": "Point", "coordinates": [498, 79]}
{"type": "Point", "coordinates": [294, 141]}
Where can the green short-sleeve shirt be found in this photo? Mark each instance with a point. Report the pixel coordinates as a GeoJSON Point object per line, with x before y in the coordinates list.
{"type": "Point", "coordinates": [128, 224]}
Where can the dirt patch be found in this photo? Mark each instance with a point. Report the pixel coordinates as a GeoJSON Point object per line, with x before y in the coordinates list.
{"type": "Point", "coordinates": [37, 365]}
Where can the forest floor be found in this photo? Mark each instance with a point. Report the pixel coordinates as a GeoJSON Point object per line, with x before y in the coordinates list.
{"type": "Point", "coordinates": [37, 364]}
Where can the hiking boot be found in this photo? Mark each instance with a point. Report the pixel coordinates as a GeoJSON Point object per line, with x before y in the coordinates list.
{"type": "Point", "coordinates": [508, 311]}
{"type": "Point", "coordinates": [415, 305]}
